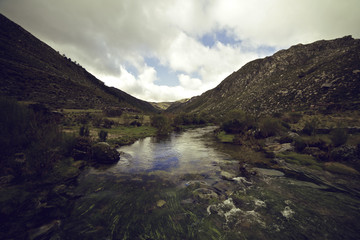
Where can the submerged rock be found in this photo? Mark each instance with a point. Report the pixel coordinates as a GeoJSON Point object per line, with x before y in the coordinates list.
{"type": "Point", "coordinates": [103, 153]}
{"type": "Point", "coordinates": [287, 212]}
{"type": "Point", "coordinates": [227, 176]}
{"type": "Point", "coordinates": [205, 193]}
{"type": "Point", "coordinates": [160, 203]}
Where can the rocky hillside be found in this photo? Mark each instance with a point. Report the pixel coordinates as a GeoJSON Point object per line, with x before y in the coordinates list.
{"type": "Point", "coordinates": [324, 74]}
{"type": "Point", "coordinates": [32, 71]}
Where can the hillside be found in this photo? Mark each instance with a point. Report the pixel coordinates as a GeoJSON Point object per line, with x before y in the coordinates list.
{"type": "Point", "coordinates": [322, 75]}
{"type": "Point", "coordinates": [32, 71]}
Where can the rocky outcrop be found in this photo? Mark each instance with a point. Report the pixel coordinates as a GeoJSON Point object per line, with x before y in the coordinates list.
{"type": "Point", "coordinates": [322, 75]}
{"type": "Point", "coordinates": [103, 153]}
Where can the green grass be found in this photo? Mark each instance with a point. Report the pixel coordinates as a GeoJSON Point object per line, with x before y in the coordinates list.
{"type": "Point", "coordinates": [300, 159]}
{"type": "Point", "coordinates": [340, 168]}
{"type": "Point", "coordinates": [225, 138]}
{"type": "Point", "coordinates": [123, 135]}
{"type": "Point", "coordinates": [82, 110]}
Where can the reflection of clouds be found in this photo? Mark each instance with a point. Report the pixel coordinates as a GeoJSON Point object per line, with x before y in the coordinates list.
{"type": "Point", "coordinates": [179, 154]}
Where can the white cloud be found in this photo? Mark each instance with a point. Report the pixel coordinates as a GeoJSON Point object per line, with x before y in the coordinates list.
{"type": "Point", "coordinates": [110, 37]}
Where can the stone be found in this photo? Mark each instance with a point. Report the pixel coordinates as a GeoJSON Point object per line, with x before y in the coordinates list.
{"type": "Point", "coordinates": [205, 193]}
{"type": "Point", "coordinates": [227, 175]}
{"type": "Point", "coordinates": [160, 203]}
{"type": "Point", "coordinates": [103, 153]}
{"type": "Point", "coordinates": [315, 152]}
{"type": "Point", "coordinates": [345, 153]}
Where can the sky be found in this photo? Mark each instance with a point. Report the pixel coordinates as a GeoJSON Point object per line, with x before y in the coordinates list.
{"type": "Point", "coordinates": [167, 50]}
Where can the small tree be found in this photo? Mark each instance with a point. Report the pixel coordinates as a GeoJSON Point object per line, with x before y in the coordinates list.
{"type": "Point", "coordinates": [103, 135]}
{"type": "Point", "coordinates": [84, 131]}
{"type": "Point", "coordinates": [269, 127]}
{"type": "Point", "coordinates": [162, 124]}
{"type": "Point", "coordinates": [311, 126]}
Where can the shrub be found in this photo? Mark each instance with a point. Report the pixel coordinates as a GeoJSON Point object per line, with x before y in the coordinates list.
{"type": "Point", "coordinates": [97, 120]}
{"type": "Point", "coordinates": [299, 144]}
{"type": "Point", "coordinates": [311, 126]}
{"type": "Point", "coordinates": [83, 118]}
{"type": "Point", "coordinates": [113, 112]}
{"type": "Point", "coordinates": [269, 127]}
{"type": "Point", "coordinates": [33, 135]}
{"type": "Point", "coordinates": [84, 131]}
{"type": "Point", "coordinates": [338, 136]}
{"type": "Point", "coordinates": [162, 124]}
{"type": "Point", "coordinates": [15, 125]}
{"type": "Point", "coordinates": [108, 123]}
{"type": "Point", "coordinates": [292, 117]}
{"type": "Point", "coordinates": [189, 119]}
{"type": "Point", "coordinates": [135, 123]}
{"type": "Point", "coordinates": [237, 122]}
{"type": "Point", "coordinates": [103, 135]}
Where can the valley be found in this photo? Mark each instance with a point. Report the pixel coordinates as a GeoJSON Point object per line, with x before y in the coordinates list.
{"type": "Point", "coordinates": [272, 152]}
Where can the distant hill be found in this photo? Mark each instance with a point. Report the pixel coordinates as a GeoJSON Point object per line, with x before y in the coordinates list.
{"type": "Point", "coordinates": [324, 74]}
{"type": "Point", "coordinates": [32, 71]}
{"type": "Point", "coordinates": [165, 105]}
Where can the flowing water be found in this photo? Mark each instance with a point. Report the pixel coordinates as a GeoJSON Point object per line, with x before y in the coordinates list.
{"type": "Point", "coordinates": [183, 187]}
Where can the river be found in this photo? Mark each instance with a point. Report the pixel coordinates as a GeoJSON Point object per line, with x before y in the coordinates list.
{"type": "Point", "coordinates": [185, 187]}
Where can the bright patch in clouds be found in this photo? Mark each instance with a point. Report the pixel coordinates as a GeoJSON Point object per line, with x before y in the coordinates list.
{"type": "Point", "coordinates": [168, 50]}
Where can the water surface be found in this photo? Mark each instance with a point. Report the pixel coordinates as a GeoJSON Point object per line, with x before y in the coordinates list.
{"type": "Point", "coordinates": [181, 187]}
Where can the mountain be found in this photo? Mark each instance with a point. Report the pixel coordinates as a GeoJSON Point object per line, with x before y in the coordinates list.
{"type": "Point", "coordinates": [32, 71]}
{"type": "Point", "coordinates": [165, 105]}
{"type": "Point", "coordinates": [323, 74]}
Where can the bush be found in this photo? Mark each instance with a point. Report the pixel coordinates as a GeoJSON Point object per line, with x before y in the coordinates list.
{"type": "Point", "coordinates": [292, 117]}
{"type": "Point", "coordinates": [113, 112]}
{"type": "Point", "coordinates": [33, 135]}
{"type": "Point", "coordinates": [103, 135]}
{"type": "Point", "coordinates": [237, 122]}
{"type": "Point", "coordinates": [162, 124]}
{"type": "Point", "coordinates": [311, 126]}
{"type": "Point", "coordinates": [97, 120]}
{"type": "Point", "coordinates": [269, 127]}
{"type": "Point", "coordinates": [338, 137]}
{"type": "Point", "coordinates": [84, 131]}
{"type": "Point", "coordinates": [299, 144]}
{"type": "Point", "coordinates": [108, 123]}
{"type": "Point", "coordinates": [15, 127]}
{"type": "Point", "coordinates": [189, 119]}
{"type": "Point", "coordinates": [135, 124]}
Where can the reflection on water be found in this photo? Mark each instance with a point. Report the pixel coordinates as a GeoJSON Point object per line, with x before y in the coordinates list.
{"type": "Point", "coordinates": [180, 187]}
{"type": "Point", "coordinates": [177, 154]}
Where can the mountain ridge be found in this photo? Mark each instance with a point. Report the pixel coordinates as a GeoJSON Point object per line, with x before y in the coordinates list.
{"type": "Point", "coordinates": [323, 74]}
{"type": "Point", "coordinates": [33, 71]}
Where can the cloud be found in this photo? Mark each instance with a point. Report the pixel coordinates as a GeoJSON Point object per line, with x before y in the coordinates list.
{"type": "Point", "coordinates": [115, 39]}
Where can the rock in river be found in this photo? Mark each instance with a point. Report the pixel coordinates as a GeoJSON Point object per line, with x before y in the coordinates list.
{"type": "Point", "coordinates": [103, 153]}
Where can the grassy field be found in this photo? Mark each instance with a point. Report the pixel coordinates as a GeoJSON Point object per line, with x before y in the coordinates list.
{"type": "Point", "coordinates": [120, 132]}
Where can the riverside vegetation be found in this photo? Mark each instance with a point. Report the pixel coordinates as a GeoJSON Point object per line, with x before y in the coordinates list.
{"type": "Point", "coordinates": [44, 151]}
{"type": "Point", "coordinates": [294, 114]}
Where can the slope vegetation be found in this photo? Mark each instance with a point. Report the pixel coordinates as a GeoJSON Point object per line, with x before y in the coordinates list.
{"type": "Point", "coordinates": [32, 71]}
{"type": "Point", "coordinates": [324, 74]}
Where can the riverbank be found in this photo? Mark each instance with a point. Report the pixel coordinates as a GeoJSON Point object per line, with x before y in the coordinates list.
{"type": "Point", "coordinates": [311, 146]}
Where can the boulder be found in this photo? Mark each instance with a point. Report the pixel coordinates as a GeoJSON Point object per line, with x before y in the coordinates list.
{"type": "Point", "coordinates": [82, 149]}
{"type": "Point", "coordinates": [315, 152]}
{"type": "Point", "coordinates": [345, 153]}
{"type": "Point", "coordinates": [103, 153]}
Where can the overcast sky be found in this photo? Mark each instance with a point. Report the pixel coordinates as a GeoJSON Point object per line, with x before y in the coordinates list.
{"type": "Point", "coordinates": [165, 50]}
